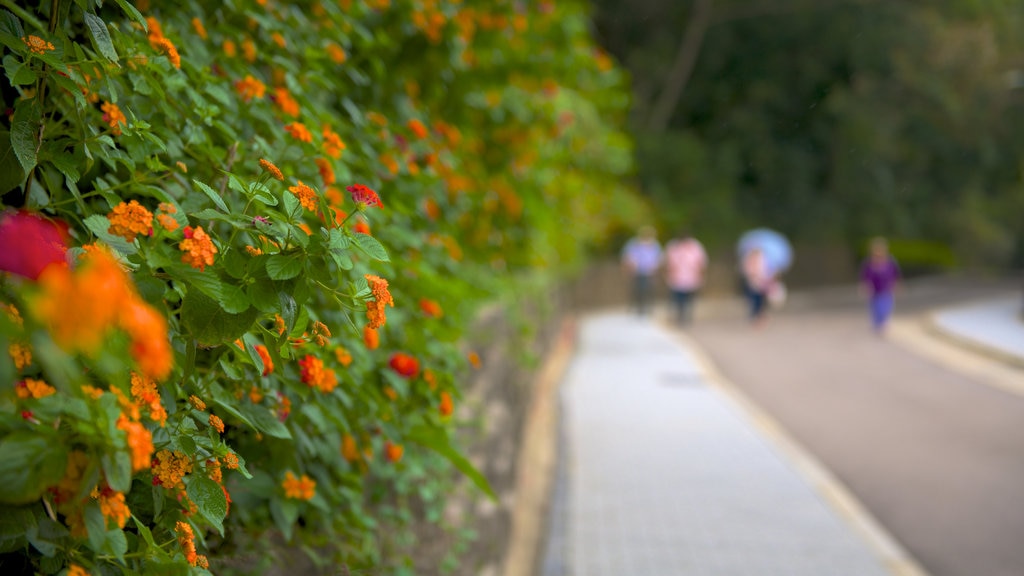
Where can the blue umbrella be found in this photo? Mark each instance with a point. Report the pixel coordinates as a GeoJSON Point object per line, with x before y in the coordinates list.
{"type": "Point", "coordinates": [778, 254]}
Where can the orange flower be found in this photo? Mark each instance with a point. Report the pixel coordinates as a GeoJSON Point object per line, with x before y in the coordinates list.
{"type": "Point", "coordinates": [303, 488]}
{"type": "Point", "coordinates": [255, 395]}
{"type": "Point", "coordinates": [390, 163]}
{"type": "Point", "coordinates": [249, 88]}
{"type": "Point", "coordinates": [144, 392]}
{"type": "Point", "coordinates": [315, 375]}
{"type": "Point", "coordinates": [114, 118]}
{"type": "Point", "coordinates": [231, 461]}
{"type": "Point", "coordinates": [197, 402]}
{"type": "Point", "coordinates": [129, 220]}
{"type": "Point", "coordinates": [375, 308]}
{"type": "Point", "coordinates": [249, 50]}
{"type": "Point", "coordinates": [279, 324]}
{"type": "Point", "coordinates": [198, 248]}
{"type": "Point", "coordinates": [371, 338]}
{"type": "Point", "coordinates": [197, 24]}
{"type": "Point", "coordinates": [393, 452]}
{"type": "Point", "coordinates": [474, 359]}
{"type": "Point", "coordinates": [326, 172]}
{"type": "Point", "coordinates": [271, 168]}
{"type": "Point", "coordinates": [21, 354]}
{"type": "Point", "coordinates": [112, 505]}
{"type": "Point", "coordinates": [167, 47]}
{"type": "Point", "coordinates": [285, 102]}
{"type": "Point", "coordinates": [76, 570]}
{"type": "Point", "coordinates": [31, 388]}
{"type": "Point", "coordinates": [169, 468]}
{"type": "Point", "coordinates": [336, 53]}
{"type": "Point", "coordinates": [36, 44]}
{"type": "Point", "coordinates": [140, 443]}
{"type": "Point", "coordinates": [377, 118]}
{"type": "Point", "coordinates": [349, 448]}
{"type": "Point", "coordinates": [299, 131]}
{"type": "Point", "coordinates": [344, 356]}
{"type": "Point", "coordinates": [305, 194]}
{"type": "Point", "coordinates": [431, 308]}
{"type": "Point", "coordinates": [278, 39]}
{"type": "Point", "coordinates": [404, 364]}
{"type": "Point", "coordinates": [268, 363]}
{"type": "Point", "coordinates": [417, 128]}
{"type": "Point", "coordinates": [229, 48]}
{"type": "Point", "coordinates": [430, 378]}
{"type": "Point", "coordinates": [446, 406]}
{"type": "Point", "coordinates": [333, 144]}
{"type": "Point", "coordinates": [216, 423]}
{"type": "Point", "coordinates": [167, 222]}
{"type": "Point", "coordinates": [150, 346]}
{"type": "Point", "coordinates": [361, 227]}
{"type": "Point", "coordinates": [187, 541]}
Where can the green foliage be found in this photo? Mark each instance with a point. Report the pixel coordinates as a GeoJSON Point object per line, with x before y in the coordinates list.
{"type": "Point", "coordinates": [205, 373]}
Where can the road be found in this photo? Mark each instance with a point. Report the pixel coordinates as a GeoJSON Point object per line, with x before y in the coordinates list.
{"type": "Point", "coordinates": [934, 454]}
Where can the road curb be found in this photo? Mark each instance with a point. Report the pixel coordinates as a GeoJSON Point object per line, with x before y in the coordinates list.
{"type": "Point", "coordinates": [934, 327]}
{"type": "Point", "coordinates": [891, 553]}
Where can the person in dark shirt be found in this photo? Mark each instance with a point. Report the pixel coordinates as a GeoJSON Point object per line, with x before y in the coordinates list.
{"type": "Point", "coordinates": [880, 275]}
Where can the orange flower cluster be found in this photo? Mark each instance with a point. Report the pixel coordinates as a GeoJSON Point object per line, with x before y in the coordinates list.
{"type": "Point", "coordinates": [140, 442]}
{"type": "Point", "coordinates": [278, 39]}
{"type": "Point", "coordinates": [144, 392]}
{"type": "Point", "coordinates": [271, 169]}
{"type": "Point", "coordinates": [230, 50]}
{"type": "Point", "coordinates": [231, 461]}
{"type": "Point", "coordinates": [76, 570]}
{"type": "Point", "coordinates": [393, 452]}
{"type": "Point", "coordinates": [197, 403]}
{"type": "Point", "coordinates": [344, 356]}
{"type": "Point", "coordinates": [303, 488]}
{"type": "Point", "coordinates": [404, 364]}
{"type": "Point", "coordinates": [197, 25]}
{"type": "Point", "coordinates": [216, 423]}
{"type": "Point", "coordinates": [364, 195]}
{"type": "Point", "coordinates": [417, 128]}
{"type": "Point", "coordinates": [381, 298]}
{"type": "Point", "coordinates": [285, 102]}
{"type": "Point", "coordinates": [81, 306]}
{"type": "Point", "coordinates": [32, 388]}
{"type": "Point", "coordinates": [249, 50]}
{"type": "Point", "coordinates": [249, 88]}
{"type": "Point", "coordinates": [474, 359]}
{"type": "Point", "coordinates": [21, 354]}
{"type": "Point", "coordinates": [333, 145]}
{"type": "Point", "coordinates": [164, 217]}
{"type": "Point", "coordinates": [349, 448]}
{"type": "Point", "coordinates": [371, 338]}
{"type": "Point", "coordinates": [321, 333]}
{"type": "Point", "coordinates": [112, 505]}
{"type": "Point", "coordinates": [114, 118]}
{"type": "Point", "coordinates": [431, 308]}
{"type": "Point", "coordinates": [169, 468]}
{"type": "Point", "coordinates": [299, 131]}
{"type": "Point", "coordinates": [37, 45]}
{"type": "Point", "coordinates": [446, 406]}
{"type": "Point", "coordinates": [160, 43]}
{"type": "Point", "coordinates": [198, 248]}
{"type": "Point", "coordinates": [268, 362]}
{"type": "Point", "coordinates": [187, 541]}
{"type": "Point", "coordinates": [305, 194]}
{"type": "Point", "coordinates": [314, 374]}
{"type": "Point", "coordinates": [361, 227]}
{"type": "Point", "coordinates": [326, 171]}
{"type": "Point", "coordinates": [130, 219]}
{"type": "Point", "coordinates": [336, 53]}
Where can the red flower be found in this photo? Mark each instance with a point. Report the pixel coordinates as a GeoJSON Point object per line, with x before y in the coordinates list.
{"type": "Point", "coordinates": [404, 364]}
{"type": "Point", "coordinates": [364, 195]}
{"type": "Point", "coordinates": [31, 243]}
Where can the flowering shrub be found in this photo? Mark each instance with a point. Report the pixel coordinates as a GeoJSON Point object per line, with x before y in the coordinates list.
{"type": "Point", "coordinates": [241, 243]}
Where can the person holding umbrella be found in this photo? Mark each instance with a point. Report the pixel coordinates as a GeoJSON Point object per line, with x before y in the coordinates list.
{"type": "Point", "coordinates": [764, 255]}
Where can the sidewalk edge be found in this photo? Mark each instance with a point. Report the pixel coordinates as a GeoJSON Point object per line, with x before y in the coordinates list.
{"type": "Point", "coordinates": [935, 328]}
{"type": "Point", "coordinates": [891, 553]}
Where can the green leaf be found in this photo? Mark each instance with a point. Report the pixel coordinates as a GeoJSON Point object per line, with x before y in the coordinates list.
{"type": "Point", "coordinates": [10, 24]}
{"type": "Point", "coordinates": [265, 421]}
{"type": "Point", "coordinates": [437, 440]}
{"type": "Point", "coordinates": [46, 535]}
{"type": "Point", "coordinates": [285, 266]}
{"type": "Point", "coordinates": [11, 173]}
{"type": "Point", "coordinates": [30, 464]}
{"type": "Point", "coordinates": [144, 532]}
{"type": "Point", "coordinates": [99, 226]}
{"type": "Point", "coordinates": [234, 300]}
{"type": "Point", "coordinates": [213, 195]}
{"type": "Point", "coordinates": [117, 467]}
{"type": "Point", "coordinates": [14, 523]}
{"type": "Point", "coordinates": [100, 36]}
{"type": "Point", "coordinates": [285, 513]}
{"type": "Point", "coordinates": [134, 13]}
{"type": "Point", "coordinates": [209, 323]}
{"type": "Point", "coordinates": [24, 129]}
{"type": "Point", "coordinates": [372, 246]}
{"type": "Point", "coordinates": [207, 283]}
{"type": "Point", "coordinates": [209, 500]}
{"type": "Point", "coordinates": [250, 347]}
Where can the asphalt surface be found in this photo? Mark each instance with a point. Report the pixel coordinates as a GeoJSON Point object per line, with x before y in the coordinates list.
{"type": "Point", "coordinates": [936, 456]}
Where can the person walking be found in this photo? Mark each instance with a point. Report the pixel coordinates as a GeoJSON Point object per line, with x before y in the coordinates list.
{"type": "Point", "coordinates": [685, 261]}
{"type": "Point", "coordinates": [757, 281]}
{"type": "Point", "coordinates": [880, 275]}
{"type": "Point", "coordinates": [641, 256]}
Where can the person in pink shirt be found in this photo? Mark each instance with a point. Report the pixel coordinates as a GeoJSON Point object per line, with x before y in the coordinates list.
{"type": "Point", "coordinates": [685, 261]}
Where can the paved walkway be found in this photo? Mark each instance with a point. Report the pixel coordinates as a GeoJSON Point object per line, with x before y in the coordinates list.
{"type": "Point", "coordinates": [666, 473]}
{"type": "Point", "coordinates": [995, 326]}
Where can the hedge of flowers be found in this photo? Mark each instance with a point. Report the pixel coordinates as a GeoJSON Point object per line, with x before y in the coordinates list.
{"type": "Point", "coordinates": [240, 244]}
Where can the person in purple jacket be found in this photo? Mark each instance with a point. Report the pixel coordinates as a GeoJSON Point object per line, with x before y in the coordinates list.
{"type": "Point", "coordinates": [879, 276]}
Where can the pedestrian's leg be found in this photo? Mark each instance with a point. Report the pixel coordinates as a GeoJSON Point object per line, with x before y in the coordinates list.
{"type": "Point", "coordinates": [881, 310]}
